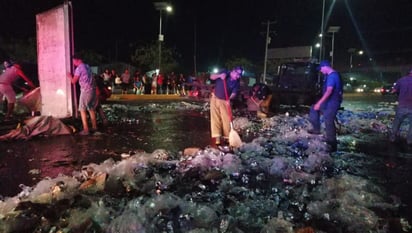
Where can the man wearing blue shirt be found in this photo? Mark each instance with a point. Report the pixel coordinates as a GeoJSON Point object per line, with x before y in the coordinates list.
{"type": "Point", "coordinates": [328, 105]}
{"type": "Point", "coordinates": [404, 110]}
{"type": "Point", "coordinates": [219, 115]}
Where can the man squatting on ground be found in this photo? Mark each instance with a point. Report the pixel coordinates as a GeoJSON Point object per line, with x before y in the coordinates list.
{"type": "Point", "coordinates": [219, 115]}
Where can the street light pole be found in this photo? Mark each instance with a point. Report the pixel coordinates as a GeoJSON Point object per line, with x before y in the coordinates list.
{"type": "Point", "coordinates": [333, 30]}
{"type": "Point", "coordinates": [333, 47]}
{"type": "Point", "coordinates": [321, 32]}
{"type": "Point", "coordinates": [161, 38]}
{"type": "Point", "coordinates": [195, 48]}
{"type": "Point", "coordinates": [161, 6]}
{"type": "Point", "coordinates": [267, 42]}
{"type": "Point", "coordinates": [351, 51]}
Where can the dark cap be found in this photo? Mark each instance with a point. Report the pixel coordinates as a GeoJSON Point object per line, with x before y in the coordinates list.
{"type": "Point", "coordinates": [324, 63]}
{"type": "Point", "coordinates": [238, 68]}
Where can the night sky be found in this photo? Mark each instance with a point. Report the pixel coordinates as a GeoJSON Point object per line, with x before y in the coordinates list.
{"type": "Point", "coordinates": [226, 28]}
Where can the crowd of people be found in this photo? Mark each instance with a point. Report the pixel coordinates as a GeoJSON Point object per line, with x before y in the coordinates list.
{"type": "Point", "coordinates": [150, 84]}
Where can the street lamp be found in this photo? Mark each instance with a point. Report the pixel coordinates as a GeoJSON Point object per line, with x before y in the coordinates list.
{"type": "Point", "coordinates": [321, 32]}
{"type": "Point", "coordinates": [268, 39]}
{"type": "Point", "coordinates": [160, 6]}
{"type": "Point", "coordinates": [322, 26]}
{"type": "Point", "coordinates": [352, 51]}
{"type": "Point", "coordinates": [333, 30]}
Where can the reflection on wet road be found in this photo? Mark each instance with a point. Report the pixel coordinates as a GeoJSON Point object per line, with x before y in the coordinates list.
{"type": "Point", "coordinates": [26, 162]}
{"type": "Point", "coordinates": [374, 157]}
{"type": "Point", "coordinates": [172, 131]}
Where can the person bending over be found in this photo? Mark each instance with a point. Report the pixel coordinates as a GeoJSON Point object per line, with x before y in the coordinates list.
{"type": "Point", "coordinates": [219, 115]}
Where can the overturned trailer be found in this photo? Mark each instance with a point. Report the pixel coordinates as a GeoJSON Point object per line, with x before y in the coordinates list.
{"type": "Point", "coordinates": [297, 83]}
{"type": "Point", "coordinates": [296, 80]}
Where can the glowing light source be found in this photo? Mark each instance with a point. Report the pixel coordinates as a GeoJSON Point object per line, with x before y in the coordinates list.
{"type": "Point", "coordinates": [161, 6]}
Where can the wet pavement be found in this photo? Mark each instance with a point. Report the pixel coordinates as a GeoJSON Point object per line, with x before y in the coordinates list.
{"type": "Point", "coordinates": [363, 150]}
{"type": "Point", "coordinates": [158, 127]}
{"type": "Point", "coordinates": [377, 159]}
{"type": "Point", "coordinates": [132, 129]}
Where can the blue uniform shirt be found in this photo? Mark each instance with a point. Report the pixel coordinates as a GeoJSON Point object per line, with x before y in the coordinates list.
{"type": "Point", "coordinates": [232, 87]}
{"type": "Point", "coordinates": [334, 80]}
{"type": "Point", "coordinates": [404, 87]}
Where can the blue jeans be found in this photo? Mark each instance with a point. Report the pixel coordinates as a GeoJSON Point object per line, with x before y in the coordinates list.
{"type": "Point", "coordinates": [401, 114]}
{"type": "Point", "coordinates": [329, 111]}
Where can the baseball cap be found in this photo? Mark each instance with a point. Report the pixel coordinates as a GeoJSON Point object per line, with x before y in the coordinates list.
{"type": "Point", "coordinates": [324, 63]}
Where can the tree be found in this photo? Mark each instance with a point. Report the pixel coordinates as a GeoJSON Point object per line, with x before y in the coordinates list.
{"type": "Point", "coordinates": [91, 57]}
{"type": "Point", "coordinates": [19, 49]}
{"type": "Point", "coordinates": [240, 61]}
{"type": "Point", "coordinates": [147, 57]}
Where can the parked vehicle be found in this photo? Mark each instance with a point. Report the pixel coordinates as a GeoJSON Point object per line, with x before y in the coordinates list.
{"type": "Point", "coordinates": [362, 88]}
{"type": "Point", "coordinates": [387, 90]}
{"type": "Point", "coordinates": [297, 83]}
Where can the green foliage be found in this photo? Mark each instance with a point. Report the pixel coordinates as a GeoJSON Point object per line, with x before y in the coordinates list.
{"type": "Point", "coordinates": [240, 61]}
{"type": "Point", "coordinates": [147, 57]}
{"type": "Point", "coordinates": [91, 57]}
{"type": "Point", "coordinates": [19, 49]}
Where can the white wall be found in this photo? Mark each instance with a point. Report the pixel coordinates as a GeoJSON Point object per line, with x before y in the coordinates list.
{"type": "Point", "coordinates": [53, 56]}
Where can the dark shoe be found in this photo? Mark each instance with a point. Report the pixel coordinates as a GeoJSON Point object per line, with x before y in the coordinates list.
{"type": "Point", "coordinates": [331, 147]}
{"type": "Point", "coordinates": [84, 133]}
{"type": "Point", "coordinates": [313, 131]}
{"type": "Point", "coordinates": [105, 122]}
{"type": "Point", "coordinates": [392, 138]}
{"type": "Point", "coordinates": [215, 142]}
{"type": "Point", "coordinates": [225, 149]}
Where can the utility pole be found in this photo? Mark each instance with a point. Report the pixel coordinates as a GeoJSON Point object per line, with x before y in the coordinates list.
{"type": "Point", "coordinates": [195, 46]}
{"type": "Point", "coordinates": [333, 30]}
{"type": "Point", "coordinates": [322, 33]}
{"type": "Point", "coordinates": [267, 42]}
{"type": "Point", "coordinates": [161, 6]}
